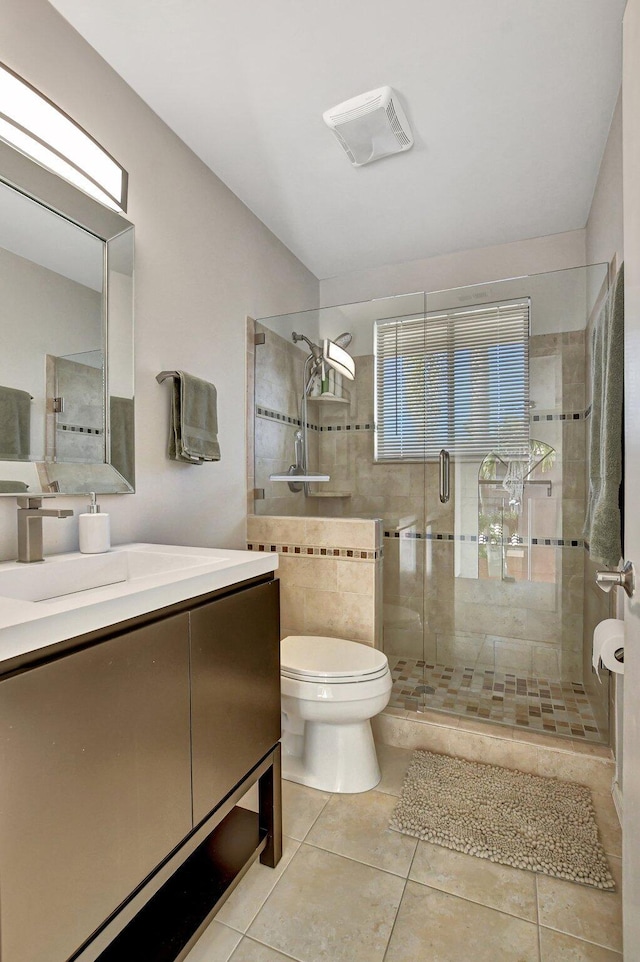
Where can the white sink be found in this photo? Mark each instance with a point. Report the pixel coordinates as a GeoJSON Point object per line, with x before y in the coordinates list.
{"type": "Point", "coordinates": [46, 604]}
{"type": "Point", "coordinates": [64, 575]}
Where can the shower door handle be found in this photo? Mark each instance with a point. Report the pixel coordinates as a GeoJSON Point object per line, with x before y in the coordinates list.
{"type": "Point", "coordinates": [445, 475]}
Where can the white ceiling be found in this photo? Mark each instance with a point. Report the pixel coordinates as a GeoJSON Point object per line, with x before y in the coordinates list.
{"type": "Point", "coordinates": [510, 104]}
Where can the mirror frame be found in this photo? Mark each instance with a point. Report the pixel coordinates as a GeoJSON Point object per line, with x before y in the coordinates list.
{"type": "Point", "coordinates": [62, 198]}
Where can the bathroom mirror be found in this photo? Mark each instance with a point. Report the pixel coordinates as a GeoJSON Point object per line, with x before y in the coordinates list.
{"type": "Point", "coordinates": [66, 365]}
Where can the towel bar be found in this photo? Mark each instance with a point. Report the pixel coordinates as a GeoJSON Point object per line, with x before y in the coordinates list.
{"type": "Point", "coordinates": [163, 375]}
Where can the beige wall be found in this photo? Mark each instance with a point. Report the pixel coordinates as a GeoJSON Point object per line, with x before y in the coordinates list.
{"type": "Point", "coordinates": [539, 254]}
{"type": "Point", "coordinates": [203, 262]}
{"type": "Point", "coordinates": [604, 227]}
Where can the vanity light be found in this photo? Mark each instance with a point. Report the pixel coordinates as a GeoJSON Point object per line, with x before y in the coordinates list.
{"type": "Point", "coordinates": [36, 127]}
{"type": "Point", "coordinates": [339, 359]}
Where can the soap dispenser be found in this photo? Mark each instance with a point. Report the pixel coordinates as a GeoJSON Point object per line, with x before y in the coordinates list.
{"type": "Point", "coordinates": [95, 536]}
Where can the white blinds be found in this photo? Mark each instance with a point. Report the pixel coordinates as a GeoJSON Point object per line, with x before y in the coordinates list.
{"type": "Point", "coordinates": [457, 380]}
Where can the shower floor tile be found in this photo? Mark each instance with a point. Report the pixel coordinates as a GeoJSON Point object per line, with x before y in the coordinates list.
{"type": "Point", "coordinates": [536, 703]}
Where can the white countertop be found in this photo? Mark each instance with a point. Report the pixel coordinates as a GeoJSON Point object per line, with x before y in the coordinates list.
{"type": "Point", "coordinates": [28, 627]}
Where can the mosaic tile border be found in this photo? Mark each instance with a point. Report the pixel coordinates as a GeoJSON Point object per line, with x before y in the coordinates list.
{"type": "Point", "coordinates": [369, 426]}
{"type": "Point", "coordinates": [316, 551]}
{"type": "Point", "coordinates": [79, 429]}
{"type": "Point", "coordinates": [571, 416]}
{"type": "Point", "coordinates": [474, 538]}
{"type": "Point", "coordinates": [271, 415]}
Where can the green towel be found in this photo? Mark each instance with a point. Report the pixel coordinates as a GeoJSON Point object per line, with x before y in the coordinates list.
{"type": "Point", "coordinates": [194, 420]}
{"type": "Point", "coordinates": [603, 526]}
{"type": "Point", "coordinates": [15, 424]}
{"type": "Point", "coordinates": [13, 487]}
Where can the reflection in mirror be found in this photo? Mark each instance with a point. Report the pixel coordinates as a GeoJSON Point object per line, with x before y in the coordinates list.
{"type": "Point", "coordinates": [66, 369]}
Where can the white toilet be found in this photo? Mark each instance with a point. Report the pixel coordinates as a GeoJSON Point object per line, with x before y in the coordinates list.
{"type": "Point", "coordinates": [331, 688]}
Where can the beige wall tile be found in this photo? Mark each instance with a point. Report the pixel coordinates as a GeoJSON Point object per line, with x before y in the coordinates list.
{"type": "Point", "coordinates": [356, 577]}
{"type": "Point", "coordinates": [511, 654]}
{"type": "Point", "coordinates": [494, 750]}
{"type": "Point", "coordinates": [341, 533]}
{"type": "Point", "coordinates": [276, 530]}
{"type": "Point", "coordinates": [292, 607]}
{"type": "Point", "coordinates": [608, 823]}
{"type": "Point", "coordinates": [460, 649]}
{"type": "Point", "coordinates": [304, 572]}
{"type": "Point", "coordinates": [339, 615]}
{"type": "Point", "coordinates": [545, 661]}
{"type": "Point", "coordinates": [597, 773]}
{"type": "Point", "coordinates": [509, 622]}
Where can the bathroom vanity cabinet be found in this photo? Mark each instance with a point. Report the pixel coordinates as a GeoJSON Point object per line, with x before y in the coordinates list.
{"type": "Point", "coordinates": [122, 759]}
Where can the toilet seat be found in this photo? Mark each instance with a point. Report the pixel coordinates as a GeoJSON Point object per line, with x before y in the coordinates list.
{"type": "Point", "coordinates": [331, 661]}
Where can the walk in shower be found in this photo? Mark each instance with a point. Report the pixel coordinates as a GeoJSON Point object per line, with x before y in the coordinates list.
{"type": "Point", "coordinates": [464, 431]}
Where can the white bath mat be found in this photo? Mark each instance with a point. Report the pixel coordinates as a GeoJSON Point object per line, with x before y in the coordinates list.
{"type": "Point", "coordinates": [527, 821]}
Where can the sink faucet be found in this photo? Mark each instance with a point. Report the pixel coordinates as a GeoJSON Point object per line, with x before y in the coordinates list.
{"type": "Point", "coordinates": [30, 515]}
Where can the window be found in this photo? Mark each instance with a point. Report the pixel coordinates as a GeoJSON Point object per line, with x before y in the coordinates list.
{"type": "Point", "coordinates": [457, 380]}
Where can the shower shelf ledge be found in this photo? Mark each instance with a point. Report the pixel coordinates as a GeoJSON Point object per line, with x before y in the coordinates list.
{"type": "Point", "coordinates": [329, 399]}
{"type": "Point", "coordinates": [298, 478]}
{"type": "Point", "coordinates": [329, 494]}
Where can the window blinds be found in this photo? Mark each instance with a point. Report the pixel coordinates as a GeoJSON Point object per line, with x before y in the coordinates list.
{"type": "Point", "coordinates": [457, 380]}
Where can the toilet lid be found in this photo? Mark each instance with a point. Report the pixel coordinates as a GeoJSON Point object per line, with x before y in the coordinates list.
{"type": "Point", "coordinates": [317, 656]}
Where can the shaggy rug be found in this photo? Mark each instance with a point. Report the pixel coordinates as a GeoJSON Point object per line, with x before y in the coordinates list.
{"type": "Point", "coordinates": [527, 821]}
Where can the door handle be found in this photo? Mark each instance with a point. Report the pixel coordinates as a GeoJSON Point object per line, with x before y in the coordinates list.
{"type": "Point", "coordinates": [445, 475]}
{"type": "Point", "coordinates": [626, 578]}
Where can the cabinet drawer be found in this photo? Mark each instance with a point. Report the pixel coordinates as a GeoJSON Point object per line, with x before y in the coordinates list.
{"type": "Point", "coordinates": [235, 690]}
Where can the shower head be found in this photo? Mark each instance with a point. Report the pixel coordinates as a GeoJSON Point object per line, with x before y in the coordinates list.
{"type": "Point", "coordinates": [332, 353]}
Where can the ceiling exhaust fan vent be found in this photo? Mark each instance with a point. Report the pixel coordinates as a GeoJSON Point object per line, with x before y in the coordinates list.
{"type": "Point", "coordinates": [370, 126]}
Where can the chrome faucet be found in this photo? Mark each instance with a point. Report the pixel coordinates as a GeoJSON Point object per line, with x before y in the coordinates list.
{"type": "Point", "coordinates": [30, 515]}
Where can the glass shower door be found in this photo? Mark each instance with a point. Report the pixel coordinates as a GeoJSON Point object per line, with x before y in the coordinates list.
{"type": "Point", "coordinates": [508, 618]}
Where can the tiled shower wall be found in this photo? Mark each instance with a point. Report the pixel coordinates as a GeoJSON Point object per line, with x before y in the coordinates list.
{"type": "Point", "coordinates": [273, 417]}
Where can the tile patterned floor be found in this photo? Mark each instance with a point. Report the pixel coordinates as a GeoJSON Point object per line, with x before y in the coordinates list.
{"type": "Point", "coordinates": [524, 700]}
{"type": "Point", "coordinates": [350, 890]}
